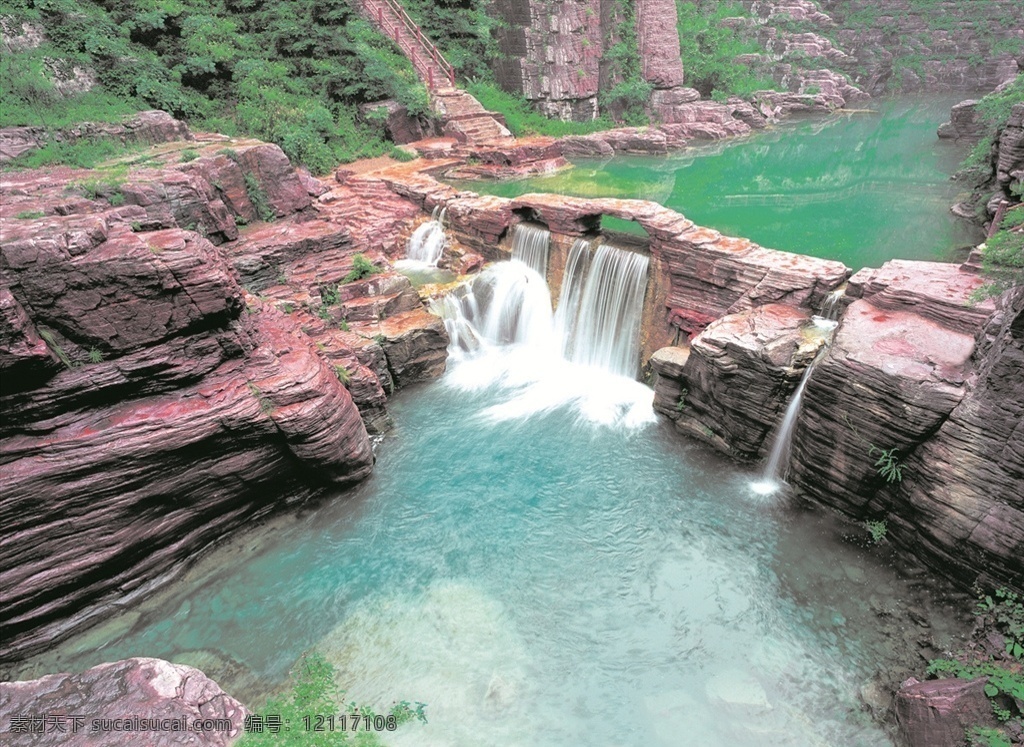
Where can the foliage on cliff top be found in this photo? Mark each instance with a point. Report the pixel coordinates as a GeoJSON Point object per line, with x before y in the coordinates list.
{"type": "Point", "coordinates": [1003, 255]}
{"type": "Point", "coordinates": [462, 31]}
{"type": "Point", "coordinates": [315, 696]}
{"type": "Point", "coordinates": [292, 71]}
{"type": "Point", "coordinates": [709, 50]}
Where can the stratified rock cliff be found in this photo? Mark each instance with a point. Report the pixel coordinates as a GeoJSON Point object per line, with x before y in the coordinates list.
{"type": "Point", "coordinates": [165, 381]}
{"type": "Point", "coordinates": [550, 53]}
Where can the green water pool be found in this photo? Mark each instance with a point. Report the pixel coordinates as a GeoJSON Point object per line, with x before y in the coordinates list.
{"type": "Point", "coordinates": [859, 187]}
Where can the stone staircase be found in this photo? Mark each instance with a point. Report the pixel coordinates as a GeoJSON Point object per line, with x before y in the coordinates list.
{"type": "Point", "coordinates": [463, 116]}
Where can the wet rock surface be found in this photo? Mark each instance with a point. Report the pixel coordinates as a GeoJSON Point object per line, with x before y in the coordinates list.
{"type": "Point", "coordinates": [133, 701]}
{"type": "Point", "coordinates": [900, 420]}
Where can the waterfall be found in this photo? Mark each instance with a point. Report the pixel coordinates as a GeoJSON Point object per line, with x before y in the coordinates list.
{"type": "Point", "coordinates": [828, 318]}
{"type": "Point", "coordinates": [530, 245]}
{"type": "Point", "coordinates": [507, 304]}
{"type": "Point", "coordinates": [428, 241]}
{"type": "Point", "coordinates": [605, 331]}
{"type": "Point", "coordinates": [777, 467]}
{"type": "Point", "coordinates": [585, 357]}
{"type": "Point", "coordinates": [568, 310]}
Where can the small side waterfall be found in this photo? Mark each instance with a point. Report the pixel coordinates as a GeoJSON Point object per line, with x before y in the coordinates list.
{"type": "Point", "coordinates": [828, 317]}
{"type": "Point", "coordinates": [777, 466]}
{"type": "Point", "coordinates": [604, 331]}
{"type": "Point", "coordinates": [428, 241]}
{"type": "Point", "coordinates": [531, 246]}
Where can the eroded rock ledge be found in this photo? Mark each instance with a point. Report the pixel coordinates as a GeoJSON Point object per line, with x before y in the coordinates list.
{"type": "Point", "coordinates": [173, 367]}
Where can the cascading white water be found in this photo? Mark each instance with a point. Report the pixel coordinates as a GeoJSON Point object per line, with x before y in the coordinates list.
{"type": "Point", "coordinates": [606, 331]}
{"type": "Point", "coordinates": [777, 467]}
{"type": "Point", "coordinates": [828, 319]}
{"type": "Point", "coordinates": [568, 311]}
{"type": "Point", "coordinates": [507, 304]}
{"type": "Point", "coordinates": [531, 246]}
{"type": "Point", "coordinates": [503, 333]}
{"type": "Point", "coordinates": [427, 242]}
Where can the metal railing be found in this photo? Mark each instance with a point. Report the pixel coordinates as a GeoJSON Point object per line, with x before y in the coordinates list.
{"type": "Point", "coordinates": [406, 30]}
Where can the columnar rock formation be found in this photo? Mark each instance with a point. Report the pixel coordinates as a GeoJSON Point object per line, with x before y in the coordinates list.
{"type": "Point", "coordinates": [551, 54]}
{"type": "Point", "coordinates": [160, 390]}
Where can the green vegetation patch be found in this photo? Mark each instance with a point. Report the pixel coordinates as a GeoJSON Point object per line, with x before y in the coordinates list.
{"type": "Point", "coordinates": [313, 712]}
{"type": "Point", "coordinates": [709, 50]}
{"type": "Point", "coordinates": [522, 120]}
{"type": "Point", "coordinates": [290, 72]}
{"type": "Point", "coordinates": [1000, 617]}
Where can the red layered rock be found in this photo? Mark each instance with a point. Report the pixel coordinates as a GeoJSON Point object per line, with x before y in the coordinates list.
{"type": "Point", "coordinates": [938, 291]}
{"type": "Point", "coordinates": [937, 713]}
{"type": "Point", "coordinates": [551, 54]}
{"type": "Point", "coordinates": [156, 405]}
{"type": "Point", "coordinates": [657, 35]}
{"type": "Point", "coordinates": [126, 690]}
{"type": "Point", "coordinates": [887, 383]}
{"type": "Point", "coordinates": [961, 491]}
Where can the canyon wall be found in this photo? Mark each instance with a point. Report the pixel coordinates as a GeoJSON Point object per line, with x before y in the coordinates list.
{"type": "Point", "coordinates": [174, 364]}
{"type": "Point", "coordinates": [927, 46]}
{"type": "Point", "coordinates": [551, 54]}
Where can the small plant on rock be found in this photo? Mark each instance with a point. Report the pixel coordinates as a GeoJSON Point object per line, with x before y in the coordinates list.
{"type": "Point", "coordinates": [877, 529]}
{"type": "Point", "coordinates": [888, 466]}
{"type": "Point", "coordinates": [343, 374]}
{"type": "Point", "coordinates": [189, 154]}
{"type": "Point", "coordinates": [95, 355]}
{"type": "Point", "coordinates": [29, 214]}
{"type": "Point", "coordinates": [361, 268]}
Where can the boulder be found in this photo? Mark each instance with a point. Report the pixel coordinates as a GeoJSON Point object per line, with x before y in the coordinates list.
{"type": "Point", "coordinates": [964, 122]}
{"type": "Point", "coordinates": [937, 713]}
{"type": "Point", "coordinates": [416, 345]}
{"type": "Point", "coordinates": [133, 701]}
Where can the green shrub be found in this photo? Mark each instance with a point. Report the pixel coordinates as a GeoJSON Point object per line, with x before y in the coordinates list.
{"type": "Point", "coordinates": [709, 50]}
{"type": "Point", "coordinates": [877, 529]}
{"type": "Point", "coordinates": [29, 214]}
{"type": "Point", "coordinates": [361, 268]}
{"type": "Point", "coordinates": [400, 154]}
{"type": "Point", "coordinates": [315, 694]}
{"type": "Point", "coordinates": [888, 466]}
{"type": "Point", "coordinates": [343, 374]}
{"type": "Point", "coordinates": [82, 154]}
{"type": "Point", "coordinates": [189, 155]}
{"type": "Point", "coordinates": [1002, 613]}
